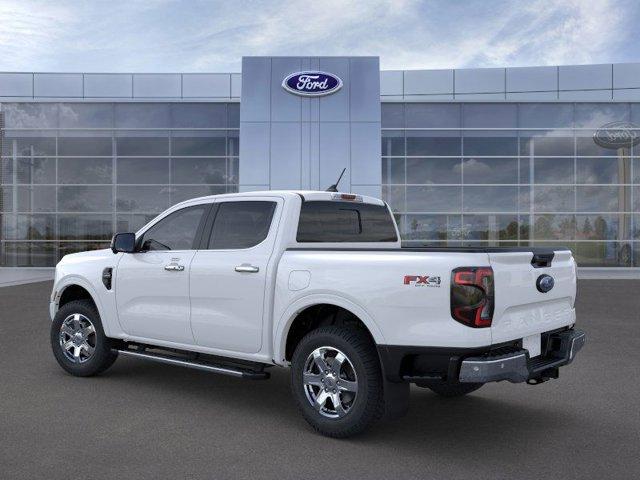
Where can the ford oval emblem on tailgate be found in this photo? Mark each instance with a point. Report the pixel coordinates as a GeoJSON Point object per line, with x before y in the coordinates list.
{"type": "Point", "coordinates": [544, 283]}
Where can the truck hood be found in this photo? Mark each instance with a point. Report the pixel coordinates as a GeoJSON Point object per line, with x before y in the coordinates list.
{"type": "Point", "coordinates": [84, 257]}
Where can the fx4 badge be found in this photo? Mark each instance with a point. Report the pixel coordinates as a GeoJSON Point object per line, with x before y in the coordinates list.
{"type": "Point", "coordinates": [422, 280]}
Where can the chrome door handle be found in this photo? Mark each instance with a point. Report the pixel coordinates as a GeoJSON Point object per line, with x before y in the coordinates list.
{"type": "Point", "coordinates": [246, 268]}
{"type": "Point", "coordinates": [174, 267]}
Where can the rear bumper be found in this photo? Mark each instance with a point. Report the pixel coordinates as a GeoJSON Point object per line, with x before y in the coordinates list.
{"type": "Point", "coordinates": [508, 361]}
{"type": "Point", "coordinates": [518, 367]}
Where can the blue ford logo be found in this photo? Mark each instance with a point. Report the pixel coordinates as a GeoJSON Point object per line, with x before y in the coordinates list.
{"type": "Point", "coordinates": [312, 84]}
{"type": "Point", "coordinates": [544, 283]}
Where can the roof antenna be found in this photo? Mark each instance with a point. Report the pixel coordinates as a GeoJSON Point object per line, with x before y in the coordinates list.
{"type": "Point", "coordinates": [334, 187]}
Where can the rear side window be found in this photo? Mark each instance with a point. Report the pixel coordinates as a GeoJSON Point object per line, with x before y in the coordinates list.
{"type": "Point", "coordinates": [241, 224]}
{"type": "Point", "coordinates": [332, 221]}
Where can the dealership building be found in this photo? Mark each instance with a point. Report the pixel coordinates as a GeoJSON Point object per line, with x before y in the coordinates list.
{"type": "Point", "coordinates": [466, 157]}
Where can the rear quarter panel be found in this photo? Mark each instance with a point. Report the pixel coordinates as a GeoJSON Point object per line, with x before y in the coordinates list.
{"type": "Point", "coordinates": [373, 282]}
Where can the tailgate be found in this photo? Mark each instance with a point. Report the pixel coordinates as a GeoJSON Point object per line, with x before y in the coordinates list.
{"type": "Point", "coordinates": [520, 308]}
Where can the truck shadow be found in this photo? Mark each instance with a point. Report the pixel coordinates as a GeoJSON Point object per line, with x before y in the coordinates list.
{"type": "Point", "coordinates": [432, 423]}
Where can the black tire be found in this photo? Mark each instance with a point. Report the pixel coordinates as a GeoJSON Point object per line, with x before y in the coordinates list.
{"type": "Point", "coordinates": [102, 356]}
{"type": "Point", "coordinates": [360, 351]}
{"type": "Point", "coordinates": [453, 390]}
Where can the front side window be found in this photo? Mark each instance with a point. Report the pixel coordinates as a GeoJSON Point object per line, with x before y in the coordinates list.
{"type": "Point", "coordinates": [331, 221]}
{"type": "Point", "coordinates": [241, 224]}
{"type": "Point", "coordinates": [176, 231]}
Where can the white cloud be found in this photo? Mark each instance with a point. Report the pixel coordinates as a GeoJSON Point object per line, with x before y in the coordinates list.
{"type": "Point", "coordinates": [213, 36]}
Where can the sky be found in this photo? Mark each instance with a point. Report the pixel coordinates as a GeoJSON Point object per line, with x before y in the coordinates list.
{"type": "Point", "coordinates": [212, 36]}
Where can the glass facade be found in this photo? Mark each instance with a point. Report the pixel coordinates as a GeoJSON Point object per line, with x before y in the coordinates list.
{"type": "Point", "coordinates": [514, 174]}
{"type": "Point", "coordinates": [72, 174]}
{"type": "Point", "coordinates": [454, 174]}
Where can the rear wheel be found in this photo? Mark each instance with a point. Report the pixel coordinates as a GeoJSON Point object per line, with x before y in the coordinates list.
{"type": "Point", "coordinates": [78, 340]}
{"type": "Point", "coordinates": [336, 381]}
{"type": "Point", "coordinates": [453, 390]}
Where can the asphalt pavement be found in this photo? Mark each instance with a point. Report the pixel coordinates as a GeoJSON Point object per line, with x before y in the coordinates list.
{"type": "Point", "coordinates": [144, 420]}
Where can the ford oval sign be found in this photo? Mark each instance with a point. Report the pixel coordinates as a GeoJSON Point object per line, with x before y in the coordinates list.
{"type": "Point", "coordinates": [544, 283]}
{"type": "Point", "coordinates": [617, 135]}
{"type": "Point", "coordinates": [312, 84]}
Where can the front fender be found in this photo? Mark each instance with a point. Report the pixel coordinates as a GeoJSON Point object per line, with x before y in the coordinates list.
{"type": "Point", "coordinates": [74, 279]}
{"type": "Point", "coordinates": [285, 321]}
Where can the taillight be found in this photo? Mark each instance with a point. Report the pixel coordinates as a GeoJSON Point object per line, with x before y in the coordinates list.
{"type": "Point", "coordinates": [472, 298]}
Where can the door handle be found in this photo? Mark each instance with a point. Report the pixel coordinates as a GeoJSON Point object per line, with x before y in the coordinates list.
{"type": "Point", "coordinates": [246, 268]}
{"type": "Point", "coordinates": [174, 267]}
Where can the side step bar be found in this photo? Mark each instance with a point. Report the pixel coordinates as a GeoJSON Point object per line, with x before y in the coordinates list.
{"type": "Point", "coordinates": [222, 369]}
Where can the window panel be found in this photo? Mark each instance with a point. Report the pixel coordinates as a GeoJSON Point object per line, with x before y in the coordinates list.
{"type": "Point", "coordinates": [603, 170]}
{"type": "Point", "coordinates": [434, 199]}
{"type": "Point", "coordinates": [199, 115]}
{"type": "Point", "coordinates": [143, 199]}
{"type": "Point", "coordinates": [142, 115]}
{"type": "Point", "coordinates": [29, 227]}
{"type": "Point", "coordinates": [392, 143]}
{"type": "Point", "coordinates": [490, 170]}
{"type": "Point", "coordinates": [146, 146]}
{"type": "Point", "coordinates": [392, 115]}
{"type": "Point", "coordinates": [36, 199]}
{"type": "Point", "coordinates": [554, 199]}
{"type": "Point", "coordinates": [598, 114]}
{"type": "Point", "coordinates": [490, 145]}
{"type": "Point", "coordinates": [6, 199]}
{"type": "Point", "coordinates": [553, 170]}
{"type": "Point", "coordinates": [177, 231]}
{"type": "Point", "coordinates": [143, 170]}
{"type": "Point", "coordinates": [90, 146]}
{"type": "Point", "coordinates": [432, 115]}
{"type": "Point", "coordinates": [490, 227]}
{"type": "Point", "coordinates": [636, 170]}
{"type": "Point", "coordinates": [85, 227]}
{"type": "Point", "coordinates": [545, 115]}
{"type": "Point", "coordinates": [603, 254]}
{"type": "Point", "coordinates": [233, 143]}
{"type": "Point", "coordinates": [585, 145]}
{"type": "Point", "coordinates": [86, 115]}
{"type": "Point", "coordinates": [6, 171]}
{"type": "Point", "coordinates": [36, 170]}
{"type": "Point", "coordinates": [32, 146]}
{"type": "Point", "coordinates": [490, 199]}
{"type": "Point", "coordinates": [426, 144]}
{"type": "Point", "coordinates": [203, 146]}
{"type": "Point", "coordinates": [233, 170]}
{"type": "Point", "coordinates": [434, 170]}
{"type": "Point", "coordinates": [233, 115]}
{"type": "Point", "coordinates": [433, 227]}
{"type": "Point", "coordinates": [490, 115]}
{"type": "Point", "coordinates": [18, 254]}
{"type": "Point", "coordinates": [393, 170]}
{"type": "Point", "coordinates": [30, 115]}
{"type": "Point", "coordinates": [546, 144]}
{"type": "Point", "coordinates": [603, 227]}
{"type": "Point", "coordinates": [85, 170]}
{"type": "Point", "coordinates": [85, 199]}
{"type": "Point", "coordinates": [602, 199]}
{"type": "Point", "coordinates": [199, 170]}
{"type": "Point", "coordinates": [554, 227]}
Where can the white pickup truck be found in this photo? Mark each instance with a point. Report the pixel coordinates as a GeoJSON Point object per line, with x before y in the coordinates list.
{"type": "Point", "coordinates": [320, 282]}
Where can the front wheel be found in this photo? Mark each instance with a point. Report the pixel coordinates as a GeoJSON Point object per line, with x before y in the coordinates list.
{"type": "Point", "coordinates": [336, 381]}
{"type": "Point", "coordinates": [78, 340]}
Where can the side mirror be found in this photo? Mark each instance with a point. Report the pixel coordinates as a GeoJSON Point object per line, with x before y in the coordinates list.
{"type": "Point", "coordinates": [123, 242]}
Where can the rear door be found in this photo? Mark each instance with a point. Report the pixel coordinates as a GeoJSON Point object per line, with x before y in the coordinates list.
{"type": "Point", "coordinates": [228, 275]}
{"type": "Point", "coordinates": [522, 309]}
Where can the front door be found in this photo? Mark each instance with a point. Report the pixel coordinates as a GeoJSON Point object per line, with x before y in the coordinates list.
{"type": "Point", "coordinates": [152, 286]}
{"type": "Point", "coordinates": [228, 277]}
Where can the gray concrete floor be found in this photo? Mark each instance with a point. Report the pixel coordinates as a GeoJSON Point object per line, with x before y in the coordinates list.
{"type": "Point", "coordinates": [144, 420]}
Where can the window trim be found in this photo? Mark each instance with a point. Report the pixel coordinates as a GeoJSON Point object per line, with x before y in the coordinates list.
{"type": "Point", "coordinates": [199, 230]}
{"type": "Point", "coordinates": [208, 230]}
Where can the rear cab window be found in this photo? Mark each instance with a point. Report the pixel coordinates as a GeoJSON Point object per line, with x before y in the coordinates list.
{"type": "Point", "coordinates": [343, 221]}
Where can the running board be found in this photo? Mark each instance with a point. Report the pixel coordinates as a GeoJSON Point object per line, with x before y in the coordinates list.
{"type": "Point", "coordinates": [224, 370]}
